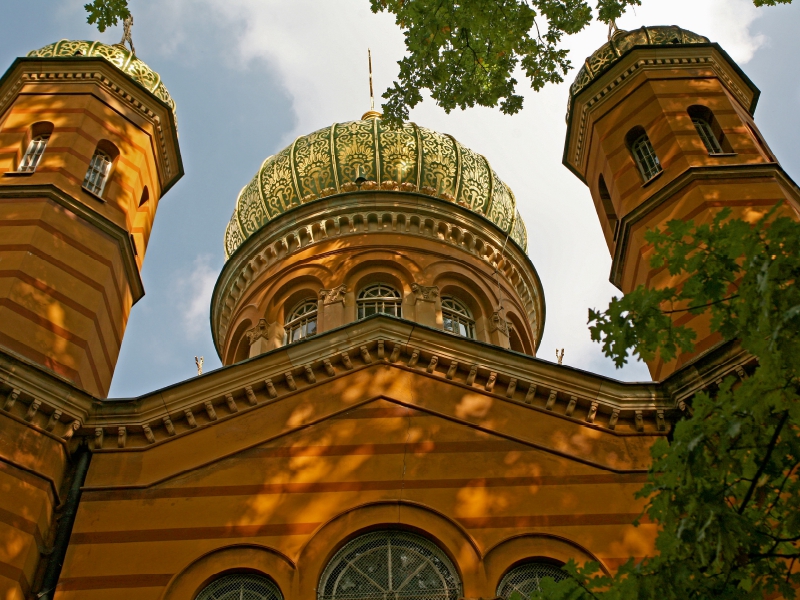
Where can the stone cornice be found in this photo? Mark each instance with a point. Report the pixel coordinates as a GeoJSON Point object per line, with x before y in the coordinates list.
{"type": "Point", "coordinates": [111, 84]}
{"type": "Point", "coordinates": [635, 61]}
{"type": "Point", "coordinates": [349, 214]}
{"type": "Point", "coordinates": [112, 230]}
{"type": "Point", "coordinates": [689, 176]}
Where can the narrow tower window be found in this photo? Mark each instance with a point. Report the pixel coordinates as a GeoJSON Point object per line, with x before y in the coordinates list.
{"type": "Point", "coordinates": [379, 298]}
{"type": "Point", "coordinates": [100, 167]}
{"type": "Point", "coordinates": [643, 153]}
{"type": "Point", "coordinates": [708, 129]}
{"type": "Point", "coordinates": [33, 154]}
{"type": "Point", "coordinates": [457, 318]}
{"type": "Point", "coordinates": [302, 321]}
{"type": "Point", "coordinates": [608, 206]}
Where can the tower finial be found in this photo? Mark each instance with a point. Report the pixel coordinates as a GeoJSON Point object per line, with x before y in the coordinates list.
{"type": "Point", "coordinates": [371, 113]}
{"type": "Point", "coordinates": [126, 33]}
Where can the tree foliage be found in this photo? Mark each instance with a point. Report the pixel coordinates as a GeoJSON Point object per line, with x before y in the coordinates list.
{"type": "Point", "coordinates": [105, 13]}
{"type": "Point", "coordinates": [724, 491]}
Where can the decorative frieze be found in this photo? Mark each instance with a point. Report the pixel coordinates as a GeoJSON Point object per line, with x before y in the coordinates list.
{"type": "Point", "coordinates": [333, 295]}
{"type": "Point", "coordinates": [261, 330]}
{"type": "Point", "coordinates": [424, 293]}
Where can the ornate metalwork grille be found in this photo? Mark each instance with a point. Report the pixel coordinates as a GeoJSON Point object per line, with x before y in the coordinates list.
{"type": "Point", "coordinates": [379, 298]}
{"type": "Point", "coordinates": [457, 318]}
{"type": "Point", "coordinates": [389, 565]}
{"type": "Point", "coordinates": [706, 134]}
{"type": "Point", "coordinates": [241, 587]}
{"type": "Point", "coordinates": [525, 579]}
{"type": "Point", "coordinates": [97, 175]}
{"type": "Point", "coordinates": [33, 154]}
{"type": "Point", "coordinates": [302, 321]}
{"type": "Point", "coordinates": [645, 157]}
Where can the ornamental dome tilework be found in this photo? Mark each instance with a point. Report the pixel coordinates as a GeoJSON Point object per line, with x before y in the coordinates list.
{"type": "Point", "coordinates": [621, 42]}
{"type": "Point", "coordinates": [406, 159]}
{"type": "Point", "coordinates": [117, 55]}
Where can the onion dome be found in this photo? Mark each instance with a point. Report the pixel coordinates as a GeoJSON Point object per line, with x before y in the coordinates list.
{"type": "Point", "coordinates": [368, 155]}
{"type": "Point", "coordinates": [117, 55]}
{"type": "Point", "coordinates": [623, 41]}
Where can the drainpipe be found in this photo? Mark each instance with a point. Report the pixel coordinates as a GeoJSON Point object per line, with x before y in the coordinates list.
{"type": "Point", "coordinates": [56, 561]}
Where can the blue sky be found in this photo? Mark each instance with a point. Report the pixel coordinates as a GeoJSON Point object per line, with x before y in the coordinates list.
{"type": "Point", "coordinates": [250, 75]}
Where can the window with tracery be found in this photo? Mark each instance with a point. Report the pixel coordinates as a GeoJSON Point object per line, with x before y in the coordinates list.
{"type": "Point", "coordinates": [242, 586]}
{"type": "Point", "coordinates": [379, 298]}
{"type": "Point", "coordinates": [33, 154]}
{"type": "Point", "coordinates": [525, 579]}
{"type": "Point", "coordinates": [457, 318]}
{"type": "Point", "coordinates": [97, 175]}
{"type": "Point", "coordinates": [644, 155]}
{"type": "Point", "coordinates": [302, 321]}
{"type": "Point", "coordinates": [389, 564]}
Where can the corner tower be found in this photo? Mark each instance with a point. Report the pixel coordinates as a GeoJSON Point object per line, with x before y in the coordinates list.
{"type": "Point", "coordinates": [88, 146]}
{"type": "Point", "coordinates": [660, 127]}
{"type": "Point", "coordinates": [361, 218]}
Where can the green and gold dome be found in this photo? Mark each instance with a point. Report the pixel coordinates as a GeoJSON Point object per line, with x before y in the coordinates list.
{"type": "Point", "coordinates": [117, 55]}
{"type": "Point", "coordinates": [368, 155]}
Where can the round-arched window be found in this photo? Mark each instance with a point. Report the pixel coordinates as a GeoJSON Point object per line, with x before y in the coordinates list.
{"type": "Point", "coordinates": [457, 318]}
{"type": "Point", "coordinates": [389, 564]}
{"type": "Point", "coordinates": [526, 577]}
{"type": "Point", "coordinates": [241, 586]}
{"type": "Point", "coordinates": [379, 298]}
{"type": "Point", "coordinates": [302, 321]}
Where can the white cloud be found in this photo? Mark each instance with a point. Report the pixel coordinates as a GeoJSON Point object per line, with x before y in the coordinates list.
{"type": "Point", "coordinates": [192, 295]}
{"type": "Point", "coordinates": [318, 48]}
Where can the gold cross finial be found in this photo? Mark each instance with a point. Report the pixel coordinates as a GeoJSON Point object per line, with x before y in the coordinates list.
{"type": "Point", "coordinates": [371, 113]}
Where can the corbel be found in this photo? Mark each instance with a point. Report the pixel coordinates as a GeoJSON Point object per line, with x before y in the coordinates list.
{"type": "Point", "coordinates": [329, 368]}
{"type": "Point", "coordinates": [473, 371]}
{"type": "Point", "coordinates": [231, 403]}
{"type": "Point", "coordinates": [381, 349]}
{"type": "Point", "coordinates": [661, 422]}
{"type": "Point", "coordinates": [122, 436]}
{"type": "Point", "coordinates": [365, 355]}
{"type": "Point", "coordinates": [452, 369]}
{"type": "Point", "coordinates": [98, 438]}
{"type": "Point", "coordinates": [592, 413]}
{"type": "Point", "coordinates": [432, 364]}
{"type": "Point", "coordinates": [395, 353]}
{"type": "Point", "coordinates": [639, 420]}
{"type": "Point", "coordinates": [32, 410]}
{"type": "Point", "coordinates": [612, 421]}
{"type": "Point", "coordinates": [531, 394]}
{"type": "Point", "coordinates": [251, 396]}
{"type": "Point", "coordinates": [551, 400]}
{"type": "Point", "coordinates": [573, 402]}
{"type": "Point", "coordinates": [348, 364]}
{"type": "Point", "coordinates": [310, 377]}
{"type": "Point", "coordinates": [11, 399]}
{"type": "Point", "coordinates": [489, 386]}
{"type": "Point", "coordinates": [512, 387]}
{"type": "Point", "coordinates": [212, 414]}
{"type": "Point", "coordinates": [54, 419]}
{"type": "Point", "coordinates": [273, 393]}
{"type": "Point", "coordinates": [414, 358]}
{"type": "Point", "coordinates": [190, 418]}
{"type": "Point", "coordinates": [148, 434]}
{"type": "Point", "coordinates": [71, 430]}
{"type": "Point", "coordinates": [168, 425]}
{"type": "Point", "coordinates": [290, 382]}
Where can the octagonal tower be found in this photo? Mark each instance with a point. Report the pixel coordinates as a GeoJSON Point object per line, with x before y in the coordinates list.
{"type": "Point", "coordinates": [660, 127]}
{"type": "Point", "coordinates": [360, 218]}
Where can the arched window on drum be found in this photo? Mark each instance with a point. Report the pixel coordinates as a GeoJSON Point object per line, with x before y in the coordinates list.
{"type": "Point", "coordinates": [379, 298]}
{"type": "Point", "coordinates": [389, 564]}
{"type": "Point", "coordinates": [457, 318]}
{"type": "Point", "coordinates": [302, 321]}
{"type": "Point", "coordinates": [241, 586]}
{"type": "Point", "coordinates": [526, 578]}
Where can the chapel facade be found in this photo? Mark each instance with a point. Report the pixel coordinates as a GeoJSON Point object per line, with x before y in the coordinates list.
{"type": "Point", "coordinates": [381, 427]}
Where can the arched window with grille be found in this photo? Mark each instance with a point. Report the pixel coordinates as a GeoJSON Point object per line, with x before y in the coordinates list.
{"type": "Point", "coordinates": [100, 167]}
{"type": "Point", "coordinates": [379, 298]}
{"type": "Point", "coordinates": [241, 586]}
{"type": "Point", "coordinates": [389, 564]}
{"type": "Point", "coordinates": [457, 318]}
{"type": "Point", "coordinates": [302, 321]}
{"type": "Point", "coordinates": [708, 129]}
{"type": "Point", "coordinates": [33, 154]}
{"type": "Point", "coordinates": [643, 153]}
{"type": "Point", "coordinates": [525, 579]}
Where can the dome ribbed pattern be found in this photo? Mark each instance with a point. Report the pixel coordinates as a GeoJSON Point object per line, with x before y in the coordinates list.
{"type": "Point", "coordinates": [370, 156]}
{"type": "Point", "coordinates": [118, 56]}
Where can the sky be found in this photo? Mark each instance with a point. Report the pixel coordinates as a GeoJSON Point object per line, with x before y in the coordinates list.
{"type": "Point", "coordinates": [249, 76]}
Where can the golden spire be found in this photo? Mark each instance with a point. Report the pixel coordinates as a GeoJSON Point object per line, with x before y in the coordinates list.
{"type": "Point", "coordinates": [371, 113]}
